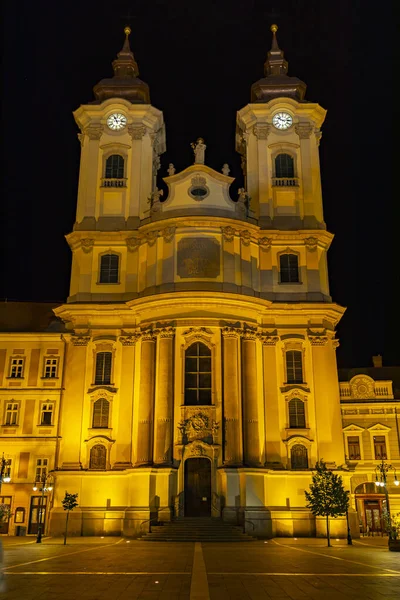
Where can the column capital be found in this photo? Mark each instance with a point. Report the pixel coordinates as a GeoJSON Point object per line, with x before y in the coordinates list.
{"type": "Point", "coordinates": [231, 332]}
{"type": "Point", "coordinates": [130, 339]}
{"type": "Point", "coordinates": [80, 340]}
{"type": "Point", "coordinates": [166, 332]}
{"type": "Point", "coordinates": [317, 338]}
{"type": "Point", "coordinates": [148, 335]}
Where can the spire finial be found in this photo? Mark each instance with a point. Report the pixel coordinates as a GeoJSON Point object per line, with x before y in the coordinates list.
{"type": "Point", "coordinates": [274, 28]}
{"type": "Point", "coordinates": [127, 31]}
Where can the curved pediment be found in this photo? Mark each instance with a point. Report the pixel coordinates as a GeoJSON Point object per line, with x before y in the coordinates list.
{"type": "Point", "coordinates": [198, 189]}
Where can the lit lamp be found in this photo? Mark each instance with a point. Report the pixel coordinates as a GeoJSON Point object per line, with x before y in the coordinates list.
{"type": "Point", "coordinates": [44, 484]}
{"type": "Point", "coordinates": [4, 478]}
{"type": "Point", "coordinates": [381, 472]}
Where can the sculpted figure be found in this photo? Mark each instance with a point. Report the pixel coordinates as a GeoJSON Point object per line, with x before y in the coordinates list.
{"type": "Point", "coordinates": [199, 150]}
{"type": "Point", "coordinates": [225, 169]}
{"type": "Point", "coordinates": [171, 169]}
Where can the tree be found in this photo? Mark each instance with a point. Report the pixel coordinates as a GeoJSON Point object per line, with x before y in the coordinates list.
{"type": "Point", "coordinates": [69, 503]}
{"type": "Point", "coordinates": [327, 496]}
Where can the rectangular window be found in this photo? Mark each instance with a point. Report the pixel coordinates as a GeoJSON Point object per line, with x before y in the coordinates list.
{"type": "Point", "coordinates": [50, 368]}
{"type": "Point", "coordinates": [46, 415]}
{"type": "Point", "coordinates": [17, 368]}
{"type": "Point", "coordinates": [294, 366]}
{"type": "Point", "coordinates": [289, 268]}
{"type": "Point", "coordinates": [103, 368]}
{"type": "Point", "coordinates": [380, 447]}
{"type": "Point", "coordinates": [353, 444]}
{"type": "Point", "coordinates": [12, 409]}
{"type": "Point", "coordinates": [7, 469]}
{"type": "Point", "coordinates": [41, 468]}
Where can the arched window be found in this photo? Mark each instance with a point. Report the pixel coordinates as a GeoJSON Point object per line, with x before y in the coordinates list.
{"type": "Point", "coordinates": [299, 457]}
{"type": "Point", "coordinates": [289, 268]}
{"type": "Point", "coordinates": [98, 457]}
{"type": "Point", "coordinates": [284, 166]}
{"type": "Point", "coordinates": [101, 411]}
{"type": "Point", "coordinates": [114, 167]}
{"type": "Point", "coordinates": [297, 417]}
{"type": "Point", "coordinates": [103, 368]}
{"type": "Point", "coordinates": [294, 366]}
{"type": "Point", "coordinates": [109, 268]}
{"type": "Point", "coordinates": [197, 374]}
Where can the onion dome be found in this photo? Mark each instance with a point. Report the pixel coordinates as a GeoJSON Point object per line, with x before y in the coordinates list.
{"type": "Point", "coordinates": [276, 83]}
{"type": "Point", "coordinates": [125, 83]}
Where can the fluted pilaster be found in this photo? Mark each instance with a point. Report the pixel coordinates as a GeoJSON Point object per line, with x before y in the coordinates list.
{"type": "Point", "coordinates": [164, 400]}
{"type": "Point", "coordinates": [144, 454]}
{"type": "Point", "coordinates": [232, 417]}
{"type": "Point", "coordinates": [251, 438]}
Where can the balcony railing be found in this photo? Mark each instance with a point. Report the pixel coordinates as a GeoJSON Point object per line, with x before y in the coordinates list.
{"type": "Point", "coordinates": [382, 389]}
{"type": "Point", "coordinates": [285, 181]}
{"type": "Point", "coordinates": [113, 182]}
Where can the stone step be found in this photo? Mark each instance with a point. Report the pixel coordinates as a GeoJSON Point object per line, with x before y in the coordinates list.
{"type": "Point", "coordinates": [197, 529]}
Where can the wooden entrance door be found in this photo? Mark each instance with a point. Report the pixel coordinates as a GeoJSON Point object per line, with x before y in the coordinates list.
{"type": "Point", "coordinates": [37, 514]}
{"type": "Point", "coordinates": [197, 487]}
{"type": "Point", "coordinates": [373, 517]}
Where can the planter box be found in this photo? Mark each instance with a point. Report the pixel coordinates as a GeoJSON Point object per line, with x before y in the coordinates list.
{"type": "Point", "coordinates": [394, 545]}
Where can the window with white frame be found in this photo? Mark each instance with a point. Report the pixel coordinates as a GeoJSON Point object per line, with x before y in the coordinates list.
{"type": "Point", "coordinates": [42, 465]}
{"type": "Point", "coordinates": [46, 413]}
{"type": "Point", "coordinates": [17, 368]}
{"type": "Point", "coordinates": [12, 413]}
{"type": "Point", "coordinates": [50, 368]}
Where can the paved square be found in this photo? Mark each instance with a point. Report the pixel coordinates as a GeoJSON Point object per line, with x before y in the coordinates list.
{"type": "Point", "coordinates": [120, 569]}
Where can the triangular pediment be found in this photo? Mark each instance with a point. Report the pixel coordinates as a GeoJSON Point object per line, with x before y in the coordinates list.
{"type": "Point", "coordinates": [379, 427]}
{"type": "Point", "coordinates": [353, 427]}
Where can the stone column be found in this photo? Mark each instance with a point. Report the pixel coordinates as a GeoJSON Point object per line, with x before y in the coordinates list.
{"type": "Point", "coordinates": [251, 438]}
{"type": "Point", "coordinates": [144, 455]}
{"type": "Point", "coordinates": [164, 399]}
{"type": "Point", "coordinates": [273, 405]}
{"type": "Point", "coordinates": [233, 453]}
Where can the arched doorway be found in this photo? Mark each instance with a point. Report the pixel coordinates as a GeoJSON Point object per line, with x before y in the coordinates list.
{"type": "Point", "coordinates": [370, 508]}
{"type": "Point", "coordinates": [197, 487]}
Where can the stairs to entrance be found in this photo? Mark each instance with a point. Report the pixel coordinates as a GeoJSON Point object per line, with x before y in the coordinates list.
{"type": "Point", "coordinates": [196, 529]}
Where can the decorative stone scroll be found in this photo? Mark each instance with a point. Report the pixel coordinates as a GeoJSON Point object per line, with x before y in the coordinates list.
{"type": "Point", "coordinates": [133, 243]}
{"type": "Point", "coordinates": [265, 244]}
{"type": "Point", "coordinates": [199, 426]}
{"type": "Point", "coordinates": [362, 387]}
{"type": "Point", "coordinates": [318, 135]}
{"type": "Point", "coordinates": [198, 180]}
{"type": "Point", "coordinates": [245, 236]}
{"type": "Point", "coordinates": [198, 258]}
{"type": "Point", "coordinates": [136, 131]}
{"type": "Point", "coordinates": [80, 340]}
{"type": "Point", "coordinates": [311, 243]}
{"type": "Point", "coordinates": [151, 237]}
{"type": "Point", "coordinates": [129, 340]}
{"type": "Point", "coordinates": [304, 130]}
{"type": "Point", "coordinates": [168, 234]}
{"type": "Point", "coordinates": [94, 131]}
{"type": "Point", "coordinates": [317, 338]}
{"type": "Point", "coordinates": [262, 131]}
{"type": "Point", "coordinates": [228, 233]}
{"type": "Point", "coordinates": [87, 245]}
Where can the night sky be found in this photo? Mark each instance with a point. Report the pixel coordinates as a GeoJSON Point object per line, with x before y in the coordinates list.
{"type": "Point", "coordinates": [200, 59]}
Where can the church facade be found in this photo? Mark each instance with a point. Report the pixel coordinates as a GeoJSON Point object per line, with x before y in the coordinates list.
{"type": "Point", "coordinates": [195, 372]}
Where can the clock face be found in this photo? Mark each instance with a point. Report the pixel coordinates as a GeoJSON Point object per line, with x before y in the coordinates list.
{"type": "Point", "coordinates": [282, 120]}
{"type": "Point", "coordinates": [116, 121]}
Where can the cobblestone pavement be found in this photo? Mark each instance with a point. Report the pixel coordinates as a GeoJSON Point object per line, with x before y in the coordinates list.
{"type": "Point", "coordinates": [120, 569]}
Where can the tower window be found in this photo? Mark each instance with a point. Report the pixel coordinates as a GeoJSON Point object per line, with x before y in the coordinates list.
{"type": "Point", "coordinates": [297, 417]}
{"type": "Point", "coordinates": [114, 167]}
{"type": "Point", "coordinates": [299, 457]}
{"type": "Point", "coordinates": [197, 374]}
{"type": "Point", "coordinates": [289, 268]}
{"type": "Point", "coordinates": [109, 268]}
{"type": "Point", "coordinates": [284, 166]}
{"type": "Point", "coordinates": [101, 410]}
{"type": "Point", "coordinates": [294, 366]}
{"type": "Point", "coordinates": [103, 368]}
{"type": "Point", "coordinates": [98, 457]}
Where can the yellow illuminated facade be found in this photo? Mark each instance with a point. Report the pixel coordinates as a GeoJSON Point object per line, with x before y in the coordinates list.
{"type": "Point", "coordinates": [195, 373]}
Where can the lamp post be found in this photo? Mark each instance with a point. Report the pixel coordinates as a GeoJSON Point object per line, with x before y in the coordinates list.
{"type": "Point", "coordinates": [3, 465]}
{"type": "Point", "coordinates": [43, 484]}
{"type": "Point", "coordinates": [381, 472]}
{"type": "Point", "coordinates": [349, 538]}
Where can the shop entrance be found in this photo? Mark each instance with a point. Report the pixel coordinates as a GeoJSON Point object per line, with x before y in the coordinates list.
{"type": "Point", "coordinates": [197, 487]}
{"type": "Point", "coordinates": [370, 509]}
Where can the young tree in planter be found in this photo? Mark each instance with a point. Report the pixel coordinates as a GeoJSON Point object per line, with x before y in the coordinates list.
{"type": "Point", "coordinates": [69, 503]}
{"type": "Point", "coordinates": [327, 496]}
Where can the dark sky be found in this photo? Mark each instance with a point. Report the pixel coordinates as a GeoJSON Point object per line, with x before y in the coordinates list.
{"type": "Point", "coordinates": [200, 59]}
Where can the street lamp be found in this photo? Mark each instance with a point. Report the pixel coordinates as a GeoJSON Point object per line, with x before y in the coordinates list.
{"type": "Point", "coordinates": [43, 484]}
{"type": "Point", "coordinates": [3, 465]}
{"type": "Point", "coordinates": [381, 472]}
